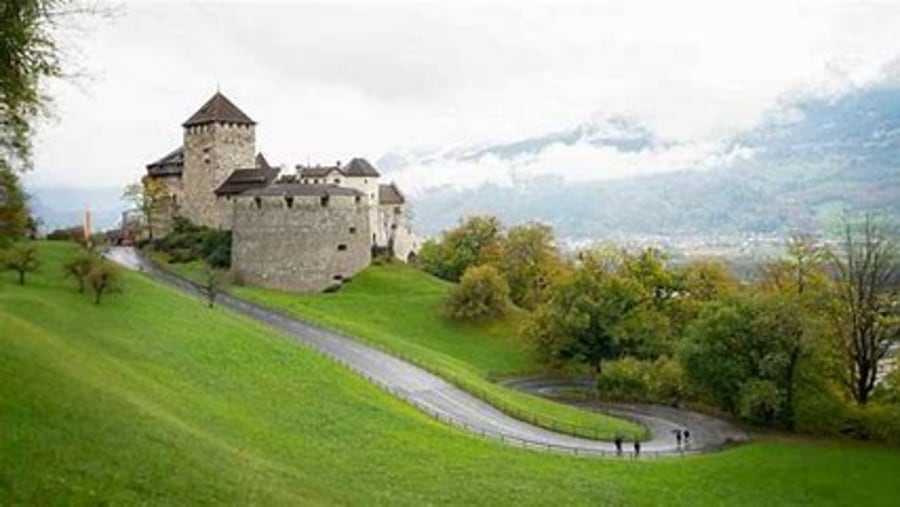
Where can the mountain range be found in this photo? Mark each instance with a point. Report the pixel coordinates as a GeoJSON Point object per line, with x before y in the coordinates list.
{"type": "Point", "coordinates": [802, 168]}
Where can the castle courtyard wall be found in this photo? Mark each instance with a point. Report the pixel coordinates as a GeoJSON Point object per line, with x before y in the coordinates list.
{"type": "Point", "coordinates": [304, 246]}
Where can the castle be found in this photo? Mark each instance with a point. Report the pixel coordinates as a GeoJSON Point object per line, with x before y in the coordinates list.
{"type": "Point", "coordinates": [304, 231]}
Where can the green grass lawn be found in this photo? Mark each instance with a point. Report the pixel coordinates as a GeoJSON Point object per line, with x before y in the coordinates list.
{"type": "Point", "coordinates": [398, 308]}
{"type": "Point", "coordinates": [153, 398]}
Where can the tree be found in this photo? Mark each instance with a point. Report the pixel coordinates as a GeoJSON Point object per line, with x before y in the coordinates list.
{"type": "Point", "coordinates": [742, 350]}
{"type": "Point", "coordinates": [29, 55]}
{"type": "Point", "coordinates": [584, 318]}
{"type": "Point", "coordinates": [801, 281]}
{"type": "Point", "coordinates": [14, 215]}
{"type": "Point", "coordinates": [146, 197]}
{"type": "Point", "coordinates": [78, 267]}
{"type": "Point", "coordinates": [477, 240]}
{"type": "Point", "coordinates": [530, 262]}
{"type": "Point", "coordinates": [21, 258]}
{"type": "Point", "coordinates": [212, 282]}
{"type": "Point", "coordinates": [866, 269]}
{"type": "Point", "coordinates": [102, 278]}
{"type": "Point", "coordinates": [481, 294]}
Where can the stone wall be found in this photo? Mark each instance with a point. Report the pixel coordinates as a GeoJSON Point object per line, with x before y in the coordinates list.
{"type": "Point", "coordinates": [211, 153]}
{"type": "Point", "coordinates": [306, 247]}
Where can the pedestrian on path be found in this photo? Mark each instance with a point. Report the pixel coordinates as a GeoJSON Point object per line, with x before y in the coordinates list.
{"type": "Point", "coordinates": [677, 432]}
{"type": "Point", "coordinates": [687, 437]}
{"type": "Point", "coordinates": [637, 448]}
{"type": "Point", "coordinates": [618, 442]}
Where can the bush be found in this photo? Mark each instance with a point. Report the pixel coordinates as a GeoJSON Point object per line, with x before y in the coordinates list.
{"type": "Point", "coordinates": [660, 381]}
{"type": "Point", "coordinates": [482, 293]}
{"type": "Point", "coordinates": [75, 233]}
{"type": "Point", "coordinates": [759, 401]}
{"type": "Point", "coordinates": [878, 422]}
{"type": "Point", "coordinates": [188, 242]}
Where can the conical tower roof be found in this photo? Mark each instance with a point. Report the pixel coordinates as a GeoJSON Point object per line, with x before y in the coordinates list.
{"type": "Point", "coordinates": [218, 109]}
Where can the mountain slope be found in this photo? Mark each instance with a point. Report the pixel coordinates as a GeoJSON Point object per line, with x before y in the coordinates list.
{"type": "Point", "coordinates": [799, 170]}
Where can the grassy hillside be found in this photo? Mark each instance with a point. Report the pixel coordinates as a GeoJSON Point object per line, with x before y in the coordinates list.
{"type": "Point", "coordinates": [153, 398]}
{"type": "Point", "coordinates": [398, 308]}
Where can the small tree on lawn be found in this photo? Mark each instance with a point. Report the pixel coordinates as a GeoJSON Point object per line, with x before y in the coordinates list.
{"type": "Point", "coordinates": [212, 282]}
{"type": "Point", "coordinates": [102, 278]}
{"type": "Point", "coordinates": [21, 258]}
{"type": "Point", "coordinates": [482, 293]}
{"type": "Point", "coordinates": [78, 267]}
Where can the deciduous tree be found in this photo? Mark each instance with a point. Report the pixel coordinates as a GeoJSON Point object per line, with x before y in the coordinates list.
{"type": "Point", "coordinates": [22, 258]}
{"type": "Point", "coordinates": [79, 266]}
{"type": "Point", "coordinates": [584, 318]}
{"type": "Point", "coordinates": [477, 240]}
{"type": "Point", "coordinates": [146, 196]}
{"type": "Point", "coordinates": [103, 278]}
{"type": "Point", "coordinates": [530, 262]}
{"type": "Point", "coordinates": [742, 350]}
{"type": "Point", "coordinates": [481, 294]}
{"type": "Point", "coordinates": [867, 267]}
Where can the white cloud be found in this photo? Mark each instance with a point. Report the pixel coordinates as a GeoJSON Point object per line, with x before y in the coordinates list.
{"type": "Point", "coordinates": [329, 81]}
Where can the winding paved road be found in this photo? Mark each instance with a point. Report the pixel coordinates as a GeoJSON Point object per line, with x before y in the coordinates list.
{"type": "Point", "coordinates": [434, 395]}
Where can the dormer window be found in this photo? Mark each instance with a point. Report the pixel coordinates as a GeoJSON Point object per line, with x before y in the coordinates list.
{"type": "Point", "coordinates": [289, 201]}
{"type": "Point", "coordinates": [324, 200]}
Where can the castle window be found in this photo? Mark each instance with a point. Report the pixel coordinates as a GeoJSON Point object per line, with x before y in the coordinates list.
{"type": "Point", "coordinates": [258, 202]}
{"type": "Point", "coordinates": [397, 210]}
{"type": "Point", "coordinates": [324, 200]}
{"type": "Point", "coordinates": [289, 200]}
{"type": "Point", "coordinates": [337, 181]}
{"type": "Point", "coordinates": [353, 230]}
{"type": "Point", "coordinates": [342, 247]}
{"type": "Point", "coordinates": [393, 227]}
{"type": "Point", "coordinates": [337, 278]}
{"type": "Point", "coordinates": [357, 199]}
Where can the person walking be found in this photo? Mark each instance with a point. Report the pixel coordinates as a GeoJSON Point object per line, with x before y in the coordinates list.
{"type": "Point", "coordinates": [677, 432]}
{"type": "Point", "coordinates": [687, 436]}
{"type": "Point", "coordinates": [637, 448]}
{"type": "Point", "coordinates": [618, 442]}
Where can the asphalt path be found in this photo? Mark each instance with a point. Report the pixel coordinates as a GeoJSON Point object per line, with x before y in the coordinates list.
{"type": "Point", "coordinates": [432, 394]}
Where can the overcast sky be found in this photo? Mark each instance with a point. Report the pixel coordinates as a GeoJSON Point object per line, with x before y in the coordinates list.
{"type": "Point", "coordinates": [329, 81]}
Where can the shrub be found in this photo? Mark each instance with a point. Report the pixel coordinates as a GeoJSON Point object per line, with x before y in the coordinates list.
{"type": "Point", "coordinates": [878, 422]}
{"type": "Point", "coordinates": [628, 379]}
{"type": "Point", "coordinates": [482, 293]}
{"type": "Point", "coordinates": [75, 233]}
{"type": "Point", "coordinates": [188, 242]}
{"type": "Point", "coordinates": [759, 401]}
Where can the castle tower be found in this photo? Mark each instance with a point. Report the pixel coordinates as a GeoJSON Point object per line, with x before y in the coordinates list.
{"type": "Point", "coordinates": [218, 139]}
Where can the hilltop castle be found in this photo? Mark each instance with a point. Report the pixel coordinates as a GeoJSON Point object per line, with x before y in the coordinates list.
{"type": "Point", "coordinates": [304, 231]}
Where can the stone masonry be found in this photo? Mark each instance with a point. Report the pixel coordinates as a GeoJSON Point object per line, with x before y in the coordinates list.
{"type": "Point", "coordinates": [299, 241]}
